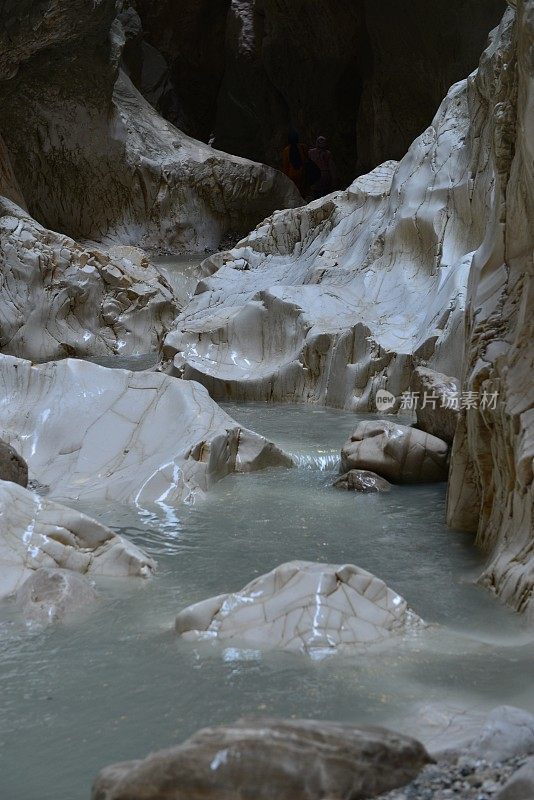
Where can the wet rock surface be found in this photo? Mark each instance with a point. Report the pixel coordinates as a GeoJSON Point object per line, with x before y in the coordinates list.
{"type": "Point", "coordinates": [314, 609]}
{"type": "Point", "coordinates": [396, 452]}
{"type": "Point", "coordinates": [96, 433]}
{"type": "Point", "coordinates": [50, 596]}
{"type": "Point", "coordinates": [360, 480]}
{"type": "Point", "coordinates": [268, 759]}
{"type": "Point", "coordinates": [37, 533]}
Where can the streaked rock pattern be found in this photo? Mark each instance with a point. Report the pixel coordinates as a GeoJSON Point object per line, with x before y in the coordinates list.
{"type": "Point", "coordinates": [492, 488]}
{"type": "Point", "coordinates": [135, 437]}
{"type": "Point", "coordinates": [60, 298]}
{"type": "Point", "coordinates": [55, 595]}
{"type": "Point", "coordinates": [315, 609]}
{"type": "Point", "coordinates": [396, 452]}
{"type": "Point", "coordinates": [269, 759]}
{"type": "Point", "coordinates": [36, 532]}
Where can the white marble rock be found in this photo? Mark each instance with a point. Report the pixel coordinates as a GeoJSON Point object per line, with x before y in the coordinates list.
{"type": "Point", "coordinates": [36, 532]}
{"type": "Point", "coordinates": [315, 609]}
{"type": "Point", "coordinates": [93, 433]}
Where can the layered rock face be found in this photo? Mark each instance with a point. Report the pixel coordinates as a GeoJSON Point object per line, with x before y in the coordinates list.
{"type": "Point", "coordinates": [491, 490]}
{"type": "Point", "coordinates": [315, 609]}
{"type": "Point", "coordinates": [96, 161]}
{"type": "Point", "coordinates": [89, 432]}
{"type": "Point", "coordinates": [269, 759]}
{"type": "Point", "coordinates": [38, 533]}
{"type": "Point", "coordinates": [228, 70]}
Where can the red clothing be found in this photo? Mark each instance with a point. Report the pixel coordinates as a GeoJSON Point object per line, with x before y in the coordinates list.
{"type": "Point", "coordinates": [298, 176]}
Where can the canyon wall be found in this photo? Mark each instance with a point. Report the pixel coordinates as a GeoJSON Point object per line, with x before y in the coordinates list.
{"type": "Point", "coordinates": [94, 160]}
{"type": "Point", "coordinates": [248, 70]}
{"type": "Point", "coordinates": [491, 489]}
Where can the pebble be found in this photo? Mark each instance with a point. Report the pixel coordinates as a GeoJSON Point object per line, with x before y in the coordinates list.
{"type": "Point", "coordinates": [467, 779]}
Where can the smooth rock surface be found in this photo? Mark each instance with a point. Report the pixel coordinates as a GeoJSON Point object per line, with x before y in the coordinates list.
{"type": "Point", "coordinates": [491, 490]}
{"type": "Point", "coordinates": [438, 400]}
{"type": "Point", "coordinates": [315, 609]}
{"type": "Point", "coordinates": [93, 433]}
{"type": "Point", "coordinates": [269, 759]}
{"type": "Point", "coordinates": [396, 452]}
{"type": "Point", "coordinates": [331, 302]}
{"type": "Point", "coordinates": [54, 595]}
{"type": "Point", "coordinates": [36, 532]}
{"type": "Point", "coordinates": [12, 466]}
{"type": "Point", "coordinates": [60, 298]}
{"type": "Point", "coordinates": [360, 480]}
{"type": "Point", "coordinates": [96, 161]}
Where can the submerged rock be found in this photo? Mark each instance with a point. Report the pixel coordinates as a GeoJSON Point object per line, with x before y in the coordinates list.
{"type": "Point", "coordinates": [315, 609]}
{"type": "Point", "coordinates": [269, 759]}
{"type": "Point", "coordinates": [438, 403]}
{"type": "Point", "coordinates": [36, 532]}
{"type": "Point", "coordinates": [396, 452]}
{"type": "Point", "coordinates": [53, 595]}
{"type": "Point", "coordinates": [12, 466]}
{"type": "Point", "coordinates": [361, 480]}
{"type": "Point", "coordinates": [135, 437]}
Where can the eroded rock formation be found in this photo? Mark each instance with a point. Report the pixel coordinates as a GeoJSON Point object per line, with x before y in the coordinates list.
{"type": "Point", "coordinates": [36, 532]}
{"type": "Point", "coordinates": [135, 437]}
{"type": "Point", "coordinates": [269, 759]}
{"type": "Point", "coordinates": [491, 490]}
{"type": "Point", "coordinates": [96, 161]}
{"type": "Point", "coordinates": [314, 609]}
{"type": "Point", "coordinates": [59, 298]}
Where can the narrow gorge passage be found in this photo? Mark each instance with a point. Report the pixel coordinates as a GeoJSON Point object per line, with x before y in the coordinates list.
{"type": "Point", "coordinates": [266, 399]}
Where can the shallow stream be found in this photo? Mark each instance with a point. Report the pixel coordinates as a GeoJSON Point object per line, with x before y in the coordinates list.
{"type": "Point", "coordinates": [119, 684]}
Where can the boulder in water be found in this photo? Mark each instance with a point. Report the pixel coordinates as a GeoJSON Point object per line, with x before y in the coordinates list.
{"type": "Point", "coordinates": [269, 759]}
{"type": "Point", "coordinates": [53, 595]}
{"type": "Point", "coordinates": [361, 480]}
{"type": "Point", "coordinates": [396, 452]}
{"type": "Point", "coordinates": [315, 609]}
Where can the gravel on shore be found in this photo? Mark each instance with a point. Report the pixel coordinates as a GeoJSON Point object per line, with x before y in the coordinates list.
{"type": "Point", "coordinates": [467, 779]}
